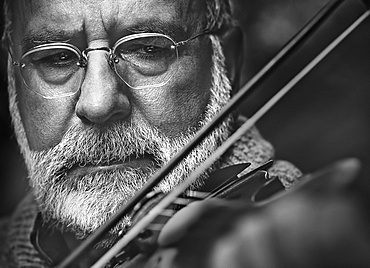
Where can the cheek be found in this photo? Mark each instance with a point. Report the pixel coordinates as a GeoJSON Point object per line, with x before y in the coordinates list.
{"type": "Point", "coordinates": [45, 121]}
{"type": "Point", "coordinates": [181, 103]}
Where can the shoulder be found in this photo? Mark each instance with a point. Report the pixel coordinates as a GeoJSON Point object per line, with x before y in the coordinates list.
{"type": "Point", "coordinates": [14, 234]}
{"type": "Point", "coordinates": [4, 243]}
{"type": "Point", "coordinates": [4, 227]}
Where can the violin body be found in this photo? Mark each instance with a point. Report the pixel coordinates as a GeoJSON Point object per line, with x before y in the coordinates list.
{"type": "Point", "coordinates": [322, 221]}
{"type": "Point", "coordinates": [325, 201]}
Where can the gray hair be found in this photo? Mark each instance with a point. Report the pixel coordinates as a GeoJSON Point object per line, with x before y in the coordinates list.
{"type": "Point", "coordinates": [218, 15]}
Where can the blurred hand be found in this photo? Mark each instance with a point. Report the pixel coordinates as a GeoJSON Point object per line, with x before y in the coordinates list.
{"type": "Point", "coordinates": [321, 222]}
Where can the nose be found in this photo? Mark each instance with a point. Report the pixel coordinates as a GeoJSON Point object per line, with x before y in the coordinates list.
{"type": "Point", "coordinates": [103, 96]}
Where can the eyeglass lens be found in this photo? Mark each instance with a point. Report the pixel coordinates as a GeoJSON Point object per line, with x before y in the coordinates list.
{"type": "Point", "coordinates": [140, 62]}
{"type": "Point", "coordinates": [146, 61]}
{"type": "Point", "coordinates": [52, 71]}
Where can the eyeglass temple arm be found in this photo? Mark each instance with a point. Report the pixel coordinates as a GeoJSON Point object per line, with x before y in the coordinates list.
{"type": "Point", "coordinates": [206, 31]}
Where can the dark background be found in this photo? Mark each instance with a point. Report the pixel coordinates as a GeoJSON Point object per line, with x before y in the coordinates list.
{"type": "Point", "coordinates": [323, 119]}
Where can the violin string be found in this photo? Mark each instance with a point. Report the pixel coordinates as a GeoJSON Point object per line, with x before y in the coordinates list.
{"type": "Point", "coordinates": [145, 221]}
{"type": "Point", "coordinates": [188, 197]}
{"type": "Point", "coordinates": [242, 94]}
{"type": "Point", "coordinates": [191, 196]}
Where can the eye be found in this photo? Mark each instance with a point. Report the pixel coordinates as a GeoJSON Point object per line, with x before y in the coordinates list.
{"type": "Point", "coordinates": [148, 48]}
{"type": "Point", "coordinates": [152, 49]}
{"type": "Point", "coordinates": [62, 56]}
{"type": "Point", "coordinates": [140, 50]}
{"type": "Point", "coordinates": [54, 58]}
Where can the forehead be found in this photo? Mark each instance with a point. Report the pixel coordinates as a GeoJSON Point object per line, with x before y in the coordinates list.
{"type": "Point", "coordinates": [96, 18]}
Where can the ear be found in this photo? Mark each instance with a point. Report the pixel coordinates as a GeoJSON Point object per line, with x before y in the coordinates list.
{"type": "Point", "coordinates": [233, 47]}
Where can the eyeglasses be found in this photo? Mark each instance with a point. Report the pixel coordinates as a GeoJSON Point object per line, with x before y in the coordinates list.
{"type": "Point", "coordinates": [141, 60]}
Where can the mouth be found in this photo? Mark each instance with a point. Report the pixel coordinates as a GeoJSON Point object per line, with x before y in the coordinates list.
{"type": "Point", "coordinates": [135, 162]}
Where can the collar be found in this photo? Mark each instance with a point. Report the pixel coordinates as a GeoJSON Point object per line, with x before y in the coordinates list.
{"type": "Point", "coordinates": [49, 242]}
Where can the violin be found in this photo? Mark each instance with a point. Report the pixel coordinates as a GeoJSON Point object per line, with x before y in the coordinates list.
{"type": "Point", "coordinates": [228, 183]}
{"type": "Point", "coordinates": [162, 202]}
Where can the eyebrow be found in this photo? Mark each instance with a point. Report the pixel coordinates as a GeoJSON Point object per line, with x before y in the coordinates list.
{"type": "Point", "coordinates": [158, 26]}
{"type": "Point", "coordinates": [43, 36]}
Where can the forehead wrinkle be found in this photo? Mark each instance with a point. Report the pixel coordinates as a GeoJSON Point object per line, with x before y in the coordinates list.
{"type": "Point", "coordinates": [184, 16]}
{"type": "Point", "coordinates": [158, 26]}
{"type": "Point", "coordinates": [109, 13]}
{"type": "Point", "coordinates": [33, 8]}
{"type": "Point", "coordinates": [45, 15]}
{"type": "Point", "coordinates": [97, 19]}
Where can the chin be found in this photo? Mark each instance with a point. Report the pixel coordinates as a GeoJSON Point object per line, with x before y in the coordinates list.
{"type": "Point", "coordinates": [82, 204]}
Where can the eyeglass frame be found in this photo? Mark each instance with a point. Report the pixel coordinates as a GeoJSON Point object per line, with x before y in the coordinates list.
{"type": "Point", "coordinates": [112, 57]}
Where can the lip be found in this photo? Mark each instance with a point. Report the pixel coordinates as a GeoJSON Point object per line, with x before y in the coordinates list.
{"type": "Point", "coordinates": [136, 162]}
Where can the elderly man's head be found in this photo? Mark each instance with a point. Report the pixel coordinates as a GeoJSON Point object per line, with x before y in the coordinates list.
{"type": "Point", "coordinates": [103, 93]}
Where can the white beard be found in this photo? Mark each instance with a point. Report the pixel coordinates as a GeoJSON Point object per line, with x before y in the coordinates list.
{"type": "Point", "coordinates": [82, 204]}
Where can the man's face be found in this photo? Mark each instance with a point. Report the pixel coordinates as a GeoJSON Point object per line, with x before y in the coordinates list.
{"type": "Point", "coordinates": [92, 151]}
{"type": "Point", "coordinates": [104, 98]}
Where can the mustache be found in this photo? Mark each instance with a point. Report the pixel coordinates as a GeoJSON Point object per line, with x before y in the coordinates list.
{"type": "Point", "coordinates": [94, 145]}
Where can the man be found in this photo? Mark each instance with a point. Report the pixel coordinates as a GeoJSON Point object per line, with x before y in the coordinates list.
{"type": "Point", "coordinates": [102, 94]}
